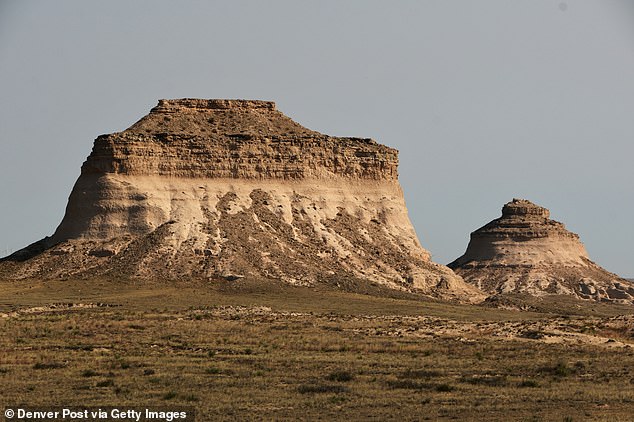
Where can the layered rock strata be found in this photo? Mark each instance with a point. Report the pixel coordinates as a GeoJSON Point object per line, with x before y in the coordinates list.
{"type": "Point", "coordinates": [233, 188]}
{"type": "Point", "coordinates": [524, 251]}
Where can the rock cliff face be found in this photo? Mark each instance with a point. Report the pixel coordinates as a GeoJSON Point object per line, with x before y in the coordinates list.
{"type": "Point", "coordinates": [233, 188]}
{"type": "Point", "coordinates": [525, 251]}
{"type": "Point", "coordinates": [237, 140]}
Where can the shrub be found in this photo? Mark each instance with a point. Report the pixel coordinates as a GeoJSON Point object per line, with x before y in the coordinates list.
{"type": "Point", "coordinates": [169, 395]}
{"type": "Point", "coordinates": [488, 380]}
{"type": "Point", "coordinates": [48, 365]}
{"type": "Point", "coordinates": [321, 388]}
{"type": "Point", "coordinates": [420, 373]}
{"type": "Point", "coordinates": [561, 370]}
{"type": "Point", "coordinates": [88, 373]}
{"type": "Point", "coordinates": [528, 384]}
{"type": "Point", "coordinates": [532, 334]}
{"type": "Point", "coordinates": [213, 370]}
{"type": "Point", "coordinates": [136, 327]}
{"type": "Point", "coordinates": [105, 383]}
{"type": "Point", "coordinates": [337, 399]}
{"type": "Point", "coordinates": [340, 376]}
{"type": "Point", "coordinates": [84, 347]}
{"type": "Point", "coordinates": [409, 384]}
{"type": "Point", "coordinates": [444, 388]}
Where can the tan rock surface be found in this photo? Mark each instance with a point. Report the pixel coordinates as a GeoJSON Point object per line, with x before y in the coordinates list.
{"type": "Point", "coordinates": [233, 188]}
{"type": "Point", "coordinates": [524, 251]}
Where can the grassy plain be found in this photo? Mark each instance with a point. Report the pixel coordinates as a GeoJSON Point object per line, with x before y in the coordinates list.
{"type": "Point", "coordinates": [259, 351]}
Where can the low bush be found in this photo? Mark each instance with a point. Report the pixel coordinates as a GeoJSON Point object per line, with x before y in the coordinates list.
{"type": "Point", "coordinates": [89, 373]}
{"type": "Point", "coordinates": [48, 365]}
{"type": "Point", "coordinates": [340, 376]}
{"type": "Point", "coordinates": [169, 395]}
{"type": "Point", "coordinates": [488, 380]}
{"type": "Point", "coordinates": [528, 384]}
{"type": "Point", "coordinates": [321, 388]}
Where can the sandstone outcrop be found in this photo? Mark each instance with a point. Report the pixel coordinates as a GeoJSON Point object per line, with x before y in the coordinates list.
{"type": "Point", "coordinates": [524, 251]}
{"type": "Point", "coordinates": [234, 188]}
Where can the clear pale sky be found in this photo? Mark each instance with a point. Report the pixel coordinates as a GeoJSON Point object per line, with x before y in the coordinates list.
{"type": "Point", "coordinates": [485, 100]}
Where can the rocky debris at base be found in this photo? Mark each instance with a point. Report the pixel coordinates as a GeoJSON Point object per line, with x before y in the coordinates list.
{"type": "Point", "coordinates": [613, 332]}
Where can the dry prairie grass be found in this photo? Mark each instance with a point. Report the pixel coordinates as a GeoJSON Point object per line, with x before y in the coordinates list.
{"type": "Point", "coordinates": [293, 353]}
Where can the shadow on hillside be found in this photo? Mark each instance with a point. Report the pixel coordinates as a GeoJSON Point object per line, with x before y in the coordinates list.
{"type": "Point", "coordinates": [31, 251]}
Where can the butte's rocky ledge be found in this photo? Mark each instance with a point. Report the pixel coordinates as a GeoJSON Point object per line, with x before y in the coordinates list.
{"type": "Point", "coordinates": [524, 251]}
{"type": "Point", "coordinates": [232, 188]}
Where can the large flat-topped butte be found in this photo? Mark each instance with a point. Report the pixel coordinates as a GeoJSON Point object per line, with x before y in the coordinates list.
{"type": "Point", "coordinates": [234, 188]}
{"type": "Point", "coordinates": [524, 251]}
